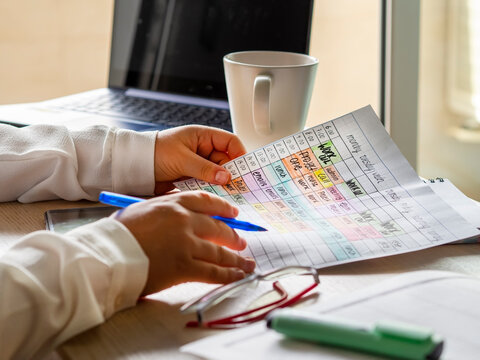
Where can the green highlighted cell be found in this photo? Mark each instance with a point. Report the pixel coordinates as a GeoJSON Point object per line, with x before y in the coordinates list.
{"type": "Point", "coordinates": [338, 251]}
{"type": "Point", "coordinates": [271, 175]}
{"type": "Point", "coordinates": [350, 250]}
{"type": "Point", "coordinates": [389, 228]}
{"type": "Point", "coordinates": [355, 187]}
{"type": "Point", "coordinates": [239, 199]}
{"type": "Point", "coordinates": [281, 171]}
{"type": "Point", "coordinates": [326, 153]}
{"type": "Point", "coordinates": [345, 190]}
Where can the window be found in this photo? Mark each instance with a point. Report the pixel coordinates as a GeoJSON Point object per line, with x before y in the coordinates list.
{"type": "Point", "coordinates": [463, 61]}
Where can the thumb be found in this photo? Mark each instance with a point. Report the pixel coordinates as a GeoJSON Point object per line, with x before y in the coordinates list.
{"type": "Point", "coordinates": [203, 169]}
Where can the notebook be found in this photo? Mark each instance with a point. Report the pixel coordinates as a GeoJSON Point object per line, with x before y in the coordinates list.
{"type": "Point", "coordinates": [443, 301]}
{"type": "Point", "coordinates": [166, 64]}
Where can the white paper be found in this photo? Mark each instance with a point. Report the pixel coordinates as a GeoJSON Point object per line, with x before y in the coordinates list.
{"type": "Point", "coordinates": [335, 193]}
{"type": "Point", "coordinates": [466, 207]}
{"type": "Point", "coordinates": [444, 302]}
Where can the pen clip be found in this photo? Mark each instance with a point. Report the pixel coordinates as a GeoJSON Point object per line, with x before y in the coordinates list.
{"type": "Point", "coordinates": [407, 332]}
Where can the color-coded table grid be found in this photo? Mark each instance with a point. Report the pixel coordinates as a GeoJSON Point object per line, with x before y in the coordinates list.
{"type": "Point", "coordinates": [325, 196]}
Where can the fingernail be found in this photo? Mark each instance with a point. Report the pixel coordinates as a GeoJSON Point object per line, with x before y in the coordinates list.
{"type": "Point", "coordinates": [221, 177]}
{"type": "Point", "coordinates": [243, 242]}
{"type": "Point", "coordinates": [238, 274]}
{"type": "Point", "coordinates": [249, 265]}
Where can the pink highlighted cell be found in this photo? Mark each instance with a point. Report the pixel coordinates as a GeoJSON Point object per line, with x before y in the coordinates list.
{"type": "Point", "coordinates": [280, 217]}
{"type": "Point", "coordinates": [325, 196]}
{"type": "Point", "coordinates": [350, 233]}
{"type": "Point", "coordinates": [280, 204]}
{"type": "Point", "coordinates": [345, 205]}
{"type": "Point", "coordinates": [337, 210]}
{"type": "Point", "coordinates": [371, 232]}
{"type": "Point", "coordinates": [301, 226]}
{"type": "Point", "coordinates": [336, 195]}
{"type": "Point", "coordinates": [368, 232]}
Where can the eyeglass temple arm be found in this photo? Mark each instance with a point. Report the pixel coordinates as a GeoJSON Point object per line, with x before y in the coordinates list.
{"type": "Point", "coordinates": [212, 295]}
{"type": "Point", "coordinates": [276, 286]}
{"type": "Point", "coordinates": [286, 303]}
{"type": "Point", "coordinates": [231, 320]}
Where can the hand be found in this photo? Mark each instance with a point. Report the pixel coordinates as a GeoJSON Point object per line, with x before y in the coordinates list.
{"type": "Point", "coordinates": [183, 242]}
{"type": "Point", "coordinates": [194, 151]}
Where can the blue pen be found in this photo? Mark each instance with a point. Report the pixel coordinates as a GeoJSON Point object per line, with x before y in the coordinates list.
{"type": "Point", "coordinates": [122, 201]}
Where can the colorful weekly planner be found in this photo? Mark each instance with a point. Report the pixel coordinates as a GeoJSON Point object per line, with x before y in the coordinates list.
{"type": "Point", "coordinates": [335, 193]}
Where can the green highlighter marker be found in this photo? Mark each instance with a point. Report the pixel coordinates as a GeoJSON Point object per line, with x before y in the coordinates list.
{"type": "Point", "coordinates": [395, 340]}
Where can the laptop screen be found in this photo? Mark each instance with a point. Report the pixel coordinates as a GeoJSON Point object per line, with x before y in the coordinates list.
{"type": "Point", "coordinates": [177, 46]}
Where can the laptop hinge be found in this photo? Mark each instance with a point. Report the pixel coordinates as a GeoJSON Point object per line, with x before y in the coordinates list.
{"type": "Point", "coordinates": [182, 99]}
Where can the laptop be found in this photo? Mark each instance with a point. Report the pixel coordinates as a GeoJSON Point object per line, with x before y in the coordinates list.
{"type": "Point", "coordinates": [166, 64]}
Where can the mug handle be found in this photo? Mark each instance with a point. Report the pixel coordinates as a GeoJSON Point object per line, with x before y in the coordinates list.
{"type": "Point", "coordinates": [261, 104]}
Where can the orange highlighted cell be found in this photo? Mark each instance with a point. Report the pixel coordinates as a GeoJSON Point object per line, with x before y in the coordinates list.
{"type": "Point", "coordinates": [314, 199]}
{"type": "Point", "coordinates": [230, 188]}
{"type": "Point", "coordinates": [302, 185]}
{"type": "Point", "coordinates": [308, 160]}
{"type": "Point", "coordinates": [333, 174]}
{"type": "Point", "coordinates": [293, 165]}
{"type": "Point", "coordinates": [240, 185]}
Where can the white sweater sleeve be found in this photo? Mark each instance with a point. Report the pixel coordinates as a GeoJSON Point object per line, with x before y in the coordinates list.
{"type": "Point", "coordinates": [54, 286]}
{"type": "Point", "coordinates": [44, 162]}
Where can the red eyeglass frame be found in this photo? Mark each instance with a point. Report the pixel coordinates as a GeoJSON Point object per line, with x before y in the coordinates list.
{"type": "Point", "coordinates": [242, 317]}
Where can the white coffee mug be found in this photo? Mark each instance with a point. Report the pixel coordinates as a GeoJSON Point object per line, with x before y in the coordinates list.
{"type": "Point", "coordinates": [269, 93]}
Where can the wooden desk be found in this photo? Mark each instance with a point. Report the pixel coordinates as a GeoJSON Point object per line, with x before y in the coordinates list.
{"type": "Point", "coordinates": [155, 329]}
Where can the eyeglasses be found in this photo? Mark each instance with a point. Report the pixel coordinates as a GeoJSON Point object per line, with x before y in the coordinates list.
{"type": "Point", "coordinates": [217, 295]}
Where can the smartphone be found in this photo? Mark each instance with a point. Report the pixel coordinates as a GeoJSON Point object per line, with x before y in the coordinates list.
{"type": "Point", "coordinates": [63, 220]}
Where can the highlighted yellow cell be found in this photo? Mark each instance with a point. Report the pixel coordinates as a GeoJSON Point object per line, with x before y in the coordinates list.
{"type": "Point", "coordinates": [260, 208]}
{"type": "Point", "coordinates": [279, 227]}
{"type": "Point", "coordinates": [323, 178]}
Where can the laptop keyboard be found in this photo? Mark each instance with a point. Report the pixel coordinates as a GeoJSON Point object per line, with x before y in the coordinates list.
{"type": "Point", "coordinates": [153, 111]}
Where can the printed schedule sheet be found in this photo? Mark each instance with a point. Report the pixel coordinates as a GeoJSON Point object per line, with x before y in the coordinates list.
{"type": "Point", "coordinates": [335, 193]}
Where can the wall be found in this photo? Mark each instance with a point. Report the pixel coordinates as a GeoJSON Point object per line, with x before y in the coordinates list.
{"type": "Point", "coordinates": [50, 48]}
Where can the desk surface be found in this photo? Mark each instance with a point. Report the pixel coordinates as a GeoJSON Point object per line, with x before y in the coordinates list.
{"type": "Point", "coordinates": [155, 328]}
